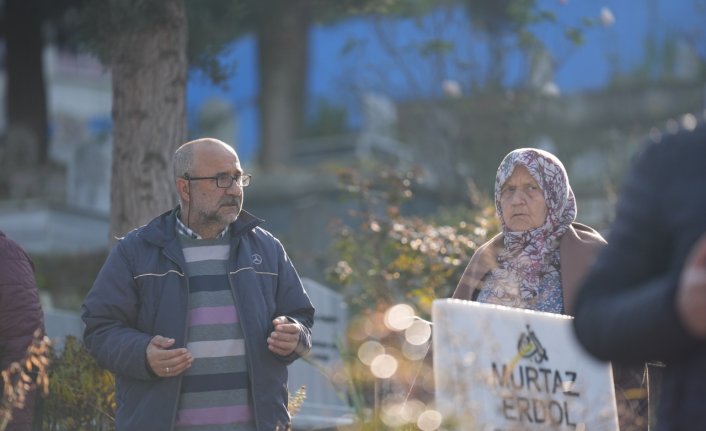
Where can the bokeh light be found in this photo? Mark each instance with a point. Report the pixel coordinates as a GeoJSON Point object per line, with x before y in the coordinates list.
{"type": "Point", "coordinates": [418, 333]}
{"type": "Point", "coordinates": [451, 88]}
{"type": "Point", "coordinates": [339, 378]}
{"type": "Point", "coordinates": [412, 409]}
{"type": "Point", "coordinates": [426, 375]}
{"type": "Point", "coordinates": [689, 121]}
{"type": "Point", "coordinates": [468, 359]}
{"type": "Point", "coordinates": [398, 413]}
{"type": "Point", "coordinates": [375, 327]}
{"type": "Point", "coordinates": [414, 352]}
{"type": "Point", "coordinates": [392, 415]}
{"type": "Point", "coordinates": [384, 366]}
{"type": "Point", "coordinates": [606, 17]}
{"type": "Point", "coordinates": [369, 350]}
{"type": "Point", "coordinates": [399, 317]}
{"type": "Point", "coordinates": [356, 330]}
{"type": "Point", "coordinates": [429, 420]}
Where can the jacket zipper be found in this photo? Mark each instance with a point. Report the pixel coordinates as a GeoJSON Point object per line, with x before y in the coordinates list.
{"type": "Point", "coordinates": [184, 334]}
{"type": "Point", "coordinates": [248, 351]}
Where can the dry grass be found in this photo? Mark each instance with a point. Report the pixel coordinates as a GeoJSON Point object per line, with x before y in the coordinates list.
{"type": "Point", "coordinates": [22, 377]}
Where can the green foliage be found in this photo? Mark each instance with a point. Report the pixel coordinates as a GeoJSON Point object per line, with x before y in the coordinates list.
{"type": "Point", "coordinates": [574, 34]}
{"type": "Point", "coordinates": [387, 257]}
{"type": "Point", "coordinates": [404, 8]}
{"type": "Point", "coordinates": [327, 11]}
{"type": "Point", "coordinates": [102, 21]}
{"type": "Point", "coordinates": [213, 27]}
{"type": "Point", "coordinates": [660, 63]}
{"type": "Point", "coordinates": [81, 394]}
{"type": "Point", "coordinates": [497, 17]}
{"type": "Point", "coordinates": [386, 261]}
{"type": "Point", "coordinates": [435, 46]}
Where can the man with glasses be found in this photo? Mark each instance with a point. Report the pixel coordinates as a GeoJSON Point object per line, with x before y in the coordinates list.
{"type": "Point", "coordinates": [199, 312]}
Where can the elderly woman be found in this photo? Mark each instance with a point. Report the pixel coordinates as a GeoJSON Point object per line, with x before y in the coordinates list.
{"type": "Point", "coordinates": [541, 255]}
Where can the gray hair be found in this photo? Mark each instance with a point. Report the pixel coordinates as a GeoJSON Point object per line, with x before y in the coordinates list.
{"type": "Point", "coordinates": [183, 160]}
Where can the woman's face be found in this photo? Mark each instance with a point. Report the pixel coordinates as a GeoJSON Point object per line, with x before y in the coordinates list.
{"type": "Point", "coordinates": [522, 201]}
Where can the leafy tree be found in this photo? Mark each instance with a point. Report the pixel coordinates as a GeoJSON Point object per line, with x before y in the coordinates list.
{"type": "Point", "coordinates": [281, 28]}
{"type": "Point", "coordinates": [499, 20]}
{"type": "Point", "coordinates": [466, 106]}
{"type": "Point", "coordinates": [213, 26]}
{"type": "Point", "coordinates": [144, 44]}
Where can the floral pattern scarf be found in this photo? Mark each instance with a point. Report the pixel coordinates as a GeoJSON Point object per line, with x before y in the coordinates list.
{"type": "Point", "coordinates": [528, 272]}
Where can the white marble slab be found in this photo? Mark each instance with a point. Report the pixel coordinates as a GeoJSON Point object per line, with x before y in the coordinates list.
{"type": "Point", "coordinates": [499, 368]}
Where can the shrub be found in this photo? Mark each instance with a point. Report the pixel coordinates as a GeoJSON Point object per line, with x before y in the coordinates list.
{"type": "Point", "coordinates": [81, 395]}
{"type": "Point", "coordinates": [386, 257]}
{"type": "Point", "coordinates": [390, 267]}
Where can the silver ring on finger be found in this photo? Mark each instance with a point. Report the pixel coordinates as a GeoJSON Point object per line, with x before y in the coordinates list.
{"type": "Point", "coordinates": [167, 370]}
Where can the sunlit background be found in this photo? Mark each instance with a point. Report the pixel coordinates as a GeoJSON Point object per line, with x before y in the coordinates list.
{"type": "Point", "coordinates": [373, 130]}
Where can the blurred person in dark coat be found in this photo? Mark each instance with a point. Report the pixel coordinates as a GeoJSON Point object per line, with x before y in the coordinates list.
{"type": "Point", "coordinates": [20, 316]}
{"type": "Point", "coordinates": [645, 297]}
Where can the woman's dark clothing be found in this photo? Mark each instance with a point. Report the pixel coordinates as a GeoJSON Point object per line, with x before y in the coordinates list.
{"type": "Point", "coordinates": [20, 316]}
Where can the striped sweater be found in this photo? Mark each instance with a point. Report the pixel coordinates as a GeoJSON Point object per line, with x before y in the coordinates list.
{"type": "Point", "coordinates": [215, 391]}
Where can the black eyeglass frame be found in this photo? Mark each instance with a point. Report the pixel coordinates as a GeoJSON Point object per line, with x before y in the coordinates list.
{"type": "Point", "coordinates": [241, 180]}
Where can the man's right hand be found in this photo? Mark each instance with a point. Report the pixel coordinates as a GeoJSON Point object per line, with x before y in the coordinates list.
{"type": "Point", "coordinates": [691, 294]}
{"type": "Point", "coordinates": [166, 362]}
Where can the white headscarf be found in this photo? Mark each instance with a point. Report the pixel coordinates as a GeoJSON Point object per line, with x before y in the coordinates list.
{"type": "Point", "coordinates": [528, 274]}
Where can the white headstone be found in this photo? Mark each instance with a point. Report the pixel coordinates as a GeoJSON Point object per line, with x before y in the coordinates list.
{"type": "Point", "coordinates": [324, 405]}
{"type": "Point", "coordinates": [501, 368]}
{"type": "Point", "coordinates": [89, 172]}
{"type": "Point", "coordinates": [377, 139]}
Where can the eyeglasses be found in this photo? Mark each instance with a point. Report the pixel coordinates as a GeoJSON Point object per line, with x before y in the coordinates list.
{"type": "Point", "coordinates": [224, 181]}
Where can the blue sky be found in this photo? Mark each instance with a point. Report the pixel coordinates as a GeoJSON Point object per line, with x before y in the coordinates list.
{"type": "Point", "coordinates": [340, 78]}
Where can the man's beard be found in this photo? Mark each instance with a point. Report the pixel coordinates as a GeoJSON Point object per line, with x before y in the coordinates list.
{"type": "Point", "coordinates": [215, 217]}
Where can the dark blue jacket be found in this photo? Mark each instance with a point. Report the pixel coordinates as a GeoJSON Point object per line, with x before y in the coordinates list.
{"type": "Point", "coordinates": [626, 309]}
{"type": "Point", "coordinates": [142, 291]}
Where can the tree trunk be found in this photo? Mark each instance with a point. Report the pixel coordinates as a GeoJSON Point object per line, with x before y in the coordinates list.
{"type": "Point", "coordinates": [283, 60]}
{"type": "Point", "coordinates": [149, 69]}
{"type": "Point", "coordinates": [26, 134]}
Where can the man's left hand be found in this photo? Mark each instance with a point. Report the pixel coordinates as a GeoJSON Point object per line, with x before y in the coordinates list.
{"type": "Point", "coordinates": [285, 338]}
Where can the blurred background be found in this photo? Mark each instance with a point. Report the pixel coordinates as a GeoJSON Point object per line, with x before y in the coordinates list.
{"type": "Point", "coordinates": [373, 128]}
{"type": "Point", "coordinates": [443, 87]}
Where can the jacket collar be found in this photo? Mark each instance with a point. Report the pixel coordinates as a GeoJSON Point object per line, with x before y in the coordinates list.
{"type": "Point", "coordinates": [162, 229]}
